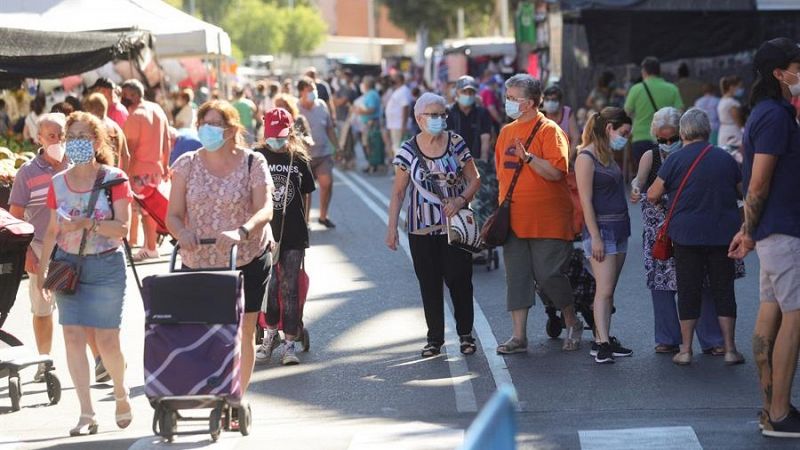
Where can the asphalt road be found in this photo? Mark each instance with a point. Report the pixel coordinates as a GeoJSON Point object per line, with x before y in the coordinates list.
{"type": "Point", "coordinates": [364, 386]}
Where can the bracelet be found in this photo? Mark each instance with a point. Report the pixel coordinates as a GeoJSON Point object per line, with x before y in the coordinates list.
{"type": "Point", "coordinates": [529, 158]}
{"type": "Point", "coordinates": [463, 198]}
{"type": "Point", "coordinates": [243, 229]}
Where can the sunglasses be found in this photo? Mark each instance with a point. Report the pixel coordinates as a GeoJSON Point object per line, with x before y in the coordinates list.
{"type": "Point", "coordinates": [668, 141]}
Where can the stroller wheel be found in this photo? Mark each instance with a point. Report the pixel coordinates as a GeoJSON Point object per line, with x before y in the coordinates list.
{"type": "Point", "coordinates": [168, 421]}
{"type": "Point", "coordinates": [306, 340]}
{"type": "Point", "coordinates": [14, 392]}
{"type": "Point", "coordinates": [53, 387]}
{"type": "Point", "coordinates": [245, 419]}
{"type": "Point", "coordinates": [215, 423]}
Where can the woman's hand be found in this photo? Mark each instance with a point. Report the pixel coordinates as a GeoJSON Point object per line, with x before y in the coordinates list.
{"type": "Point", "coordinates": [741, 245]}
{"type": "Point", "coordinates": [453, 205]}
{"type": "Point", "coordinates": [187, 240]}
{"type": "Point", "coordinates": [636, 196]}
{"type": "Point", "coordinates": [598, 249]}
{"type": "Point", "coordinates": [392, 239]}
{"type": "Point", "coordinates": [519, 149]}
{"type": "Point", "coordinates": [75, 224]}
{"type": "Point", "coordinates": [228, 239]}
{"type": "Point", "coordinates": [31, 261]}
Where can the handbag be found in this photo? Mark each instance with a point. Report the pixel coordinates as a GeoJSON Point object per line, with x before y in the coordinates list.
{"type": "Point", "coordinates": [495, 231]}
{"type": "Point", "coordinates": [275, 250]}
{"type": "Point", "coordinates": [462, 229]}
{"type": "Point", "coordinates": [662, 247]}
{"type": "Point", "coordinates": [63, 276]}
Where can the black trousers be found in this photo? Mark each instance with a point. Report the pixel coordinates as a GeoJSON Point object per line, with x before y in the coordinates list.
{"type": "Point", "coordinates": [435, 261]}
{"type": "Point", "coordinates": [692, 265]}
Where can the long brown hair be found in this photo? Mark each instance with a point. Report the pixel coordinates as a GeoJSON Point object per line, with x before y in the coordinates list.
{"type": "Point", "coordinates": [295, 146]}
{"type": "Point", "coordinates": [594, 133]}
{"type": "Point", "coordinates": [229, 115]}
{"type": "Point", "coordinates": [103, 153]}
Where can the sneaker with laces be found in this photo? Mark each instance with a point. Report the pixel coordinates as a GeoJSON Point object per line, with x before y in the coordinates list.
{"type": "Point", "coordinates": [788, 427]}
{"type": "Point", "coordinates": [268, 345]}
{"type": "Point", "coordinates": [39, 377]}
{"type": "Point", "coordinates": [605, 354]}
{"type": "Point", "coordinates": [595, 348]}
{"type": "Point", "coordinates": [289, 357]}
{"type": "Point", "coordinates": [618, 349]}
{"type": "Point", "coordinates": [101, 375]}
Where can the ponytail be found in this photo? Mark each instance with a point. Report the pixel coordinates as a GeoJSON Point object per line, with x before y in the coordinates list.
{"type": "Point", "coordinates": [594, 133]}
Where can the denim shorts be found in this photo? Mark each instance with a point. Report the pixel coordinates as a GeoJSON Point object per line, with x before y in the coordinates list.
{"type": "Point", "coordinates": [98, 300]}
{"type": "Point", "coordinates": [611, 247]}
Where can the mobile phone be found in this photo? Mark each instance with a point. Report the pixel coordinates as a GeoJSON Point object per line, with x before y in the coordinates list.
{"type": "Point", "coordinates": [63, 215]}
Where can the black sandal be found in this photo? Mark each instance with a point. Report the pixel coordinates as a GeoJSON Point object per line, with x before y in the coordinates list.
{"type": "Point", "coordinates": [431, 350]}
{"type": "Point", "coordinates": [468, 346]}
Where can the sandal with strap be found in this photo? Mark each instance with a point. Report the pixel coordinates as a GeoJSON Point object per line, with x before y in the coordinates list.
{"type": "Point", "coordinates": [86, 425]}
{"type": "Point", "coordinates": [513, 345]}
{"type": "Point", "coordinates": [123, 419]}
{"type": "Point", "coordinates": [573, 339]}
{"type": "Point", "coordinates": [431, 350]}
{"type": "Point", "coordinates": [468, 346]}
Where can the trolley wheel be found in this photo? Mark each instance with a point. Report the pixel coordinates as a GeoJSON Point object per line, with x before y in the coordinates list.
{"type": "Point", "coordinates": [259, 335]}
{"type": "Point", "coordinates": [245, 419]}
{"type": "Point", "coordinates": [14, 392]}
{"type": "Point", "coordinates": [168, 421]}
{"type": "Point", "coordinates": [53, 387]}
{"type": "Point", "coordinates": [306, 340]}
{"type": "Point", "coordinates": [215, 423]}
{"type": "Point", "coordinates": [554, 327]}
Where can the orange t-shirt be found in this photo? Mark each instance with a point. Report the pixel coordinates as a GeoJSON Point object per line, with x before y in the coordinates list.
{"type": "Point", "coordinates": [539, 208]}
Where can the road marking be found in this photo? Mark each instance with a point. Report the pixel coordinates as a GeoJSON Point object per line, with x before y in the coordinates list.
{"type": "Point", "coordinates": [661, 438]}
{"type": "Point", "coordinates": [408, 436]}
{"type": "Point", "coordinates": [465, 393]}
{"type": "Point", "coordinates": [8, 443]}
{"type": "Point", "coordinates": [497, 364]}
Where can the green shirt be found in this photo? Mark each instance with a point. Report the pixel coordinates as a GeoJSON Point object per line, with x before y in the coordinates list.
{"type": "Point", "coordinates": [639, 106]}
{"type": "Point", "coordinates": [245, 109]}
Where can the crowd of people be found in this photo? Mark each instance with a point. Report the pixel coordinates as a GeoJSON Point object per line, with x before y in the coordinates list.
{"type": "Point", "coordinates": [242, 172]}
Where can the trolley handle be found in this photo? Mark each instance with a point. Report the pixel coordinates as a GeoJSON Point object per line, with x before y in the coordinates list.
{"type": "Point", "coordinates": [204, 241]}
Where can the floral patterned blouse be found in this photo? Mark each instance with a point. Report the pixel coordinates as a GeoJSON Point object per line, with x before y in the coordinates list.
{"type": "Point", "coordinates": [215, 204]}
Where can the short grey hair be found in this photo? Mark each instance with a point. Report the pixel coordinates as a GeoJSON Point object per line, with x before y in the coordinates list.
{"type": "Point", "coordinates": [695, 125]}
{"type": "Point", "coordinates": [58, 119]}
{"type": "Point", "coordinates": [531, 87]}
{"type": "Point", "coordinates": [135, 85]}
{"type": "Point", "coordinates": [426, 100]}
{"type": "Point", "coordinates": [665, 117]}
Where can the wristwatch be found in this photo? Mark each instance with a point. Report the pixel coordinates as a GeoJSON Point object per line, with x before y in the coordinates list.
{"type": "Point", "coordinates": [528, 158]}
{"type": "Point", "coordinates": [245, 232]}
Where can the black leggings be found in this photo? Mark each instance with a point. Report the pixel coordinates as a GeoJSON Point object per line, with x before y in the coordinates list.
{"type": "Point", "coordinates": [692, 264]}
{"type": "Point", "coordinates": [436, 261]}
{"type": "Point", "coordinates": [284, 281]}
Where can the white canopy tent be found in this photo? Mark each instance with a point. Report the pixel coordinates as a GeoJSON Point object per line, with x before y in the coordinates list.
{"type": "Point", "coordinates": [177, 34]}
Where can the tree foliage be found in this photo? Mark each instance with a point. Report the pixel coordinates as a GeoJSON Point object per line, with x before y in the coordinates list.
{"type": "Point", "coordinates": [255, 27]}
{"type": "Point", "coordinates": [305, 30]}
{"type": "Point", "coordinates": [439, 17]}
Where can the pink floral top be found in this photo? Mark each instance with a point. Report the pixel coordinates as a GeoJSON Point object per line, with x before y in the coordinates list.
{"type": "Point", "coordinates": [214, 205]}
{"type": "Point", "coordinates": [68, 202]}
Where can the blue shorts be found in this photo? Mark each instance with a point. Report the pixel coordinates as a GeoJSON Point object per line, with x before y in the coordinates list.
{"type": "Point", "coordinates": [611, 247]}
{"type": "Point", "coordinates": [97, 303]}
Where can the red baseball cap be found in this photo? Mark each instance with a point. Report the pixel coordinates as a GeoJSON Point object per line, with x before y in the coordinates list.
{"type": "Point", "coordinates": [277, 123]}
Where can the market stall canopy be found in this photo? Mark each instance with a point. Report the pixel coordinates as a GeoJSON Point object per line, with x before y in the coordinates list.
{"type": "Point", "coordinates": [626, 31]}
{"type": "Point", "coordinates": [177, 34]}
{"type": "Point", "coordinates": [50, 54]}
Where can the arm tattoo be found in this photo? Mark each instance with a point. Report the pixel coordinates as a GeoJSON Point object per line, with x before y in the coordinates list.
{"type": "Point", "coordinates": [753, 209]}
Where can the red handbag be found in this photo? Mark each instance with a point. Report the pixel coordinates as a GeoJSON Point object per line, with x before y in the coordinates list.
{"type": "Point", "coordinates": [662, 248]}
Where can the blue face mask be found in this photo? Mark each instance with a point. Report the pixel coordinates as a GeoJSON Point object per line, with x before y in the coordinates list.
{"type": "Point", "coordinates": [739, 92]}
{"type": "Point", "coordinates": [80, 151]}
{"type": "Point", "coordinates": [435, 125]}
{"type": "Point", "coordinates": [512, 109]}
{"type": "Point", "coordinates": [466, 100]}
{"type": "Point", "coordinates": [618, 143]}
{"type": "Point", "coordinates": [669, 148]}
{"type": "Point", "coordinates": [277, 143]}
{"type": "Point", "coordinates": [212, 137]}
{"type": "Point", "coordinates": [312, 96]}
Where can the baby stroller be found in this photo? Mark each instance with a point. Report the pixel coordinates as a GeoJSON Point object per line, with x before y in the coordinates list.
{"type": "Point", "coordinates": [302, 293]}
{"type": "Point", "coordinates": [192, 348]}
{"type": "Point", "coordinates": [15, 236]}
{"type": "Point", "coordinates": [583, 289]}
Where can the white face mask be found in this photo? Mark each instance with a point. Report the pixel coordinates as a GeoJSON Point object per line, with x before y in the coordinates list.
{"type": "Point", "coordinates": [56, 151]}
{"type": "Point", "coordinates": [794, 89]}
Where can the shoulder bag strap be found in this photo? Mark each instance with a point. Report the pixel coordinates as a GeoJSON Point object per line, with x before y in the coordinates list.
{"type": "Point", "coordinates": [650, 96]}
{"type": "Point", "coordinates": [101, 174]}
{"type": "Point", "coordinates": [286, 198]}
{"type": "Point", "coordinates": [518, 171]}
{"type": "Point", "coordinates": [683, 183]}
{"type": "Point", "coordinates": [424, 166]}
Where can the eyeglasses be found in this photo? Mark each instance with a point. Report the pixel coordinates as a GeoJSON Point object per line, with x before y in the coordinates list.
{"type": "Point", "coordinates": [513, 99]}
{"type": "Point", "coordinates": [668, 141]}
{"type": "Point", "coordinates": [436, 115]}
{"type": "Point", "coordinates": [72, 137]}
{"type": "Point", "coordinates": [214, 124]}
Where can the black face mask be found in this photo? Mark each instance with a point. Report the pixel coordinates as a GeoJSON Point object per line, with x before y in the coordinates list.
{"type": "Point", "coordinates": [126, 102]}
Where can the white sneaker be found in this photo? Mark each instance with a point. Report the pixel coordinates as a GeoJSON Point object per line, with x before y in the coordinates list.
{"type": "Point", "coordinates": [145, 254]}
{"type": "Point", "coordinates": [289, 357]}
{"type": "Point", "coordinates": [268, 345]}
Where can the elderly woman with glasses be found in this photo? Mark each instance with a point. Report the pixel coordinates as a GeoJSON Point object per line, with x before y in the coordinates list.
{"type": "Point", "coordinates": [660, 275]}
{"type": "Point", "coordinates": [224, 192]}
{"type": "Point", "coordinates": [446, 186]}
{"type": "Point", "coordinates": [705, 219]}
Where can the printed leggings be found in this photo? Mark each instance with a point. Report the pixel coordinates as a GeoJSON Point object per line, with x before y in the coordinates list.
{"type": "Point", "coordinates": [283, 298]}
